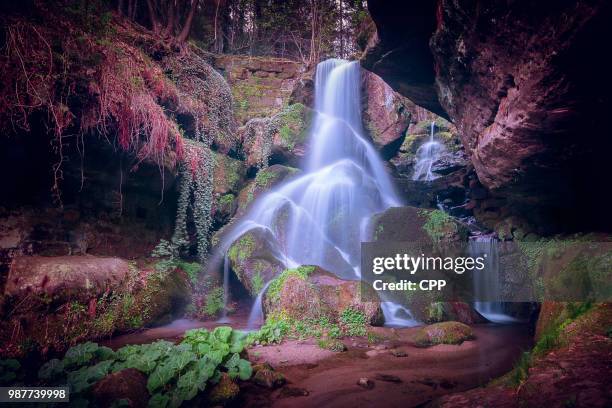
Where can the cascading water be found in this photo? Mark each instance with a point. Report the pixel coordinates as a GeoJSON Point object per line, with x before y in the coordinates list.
{"type": "Point", "coordinates": [256, 316]}
{"type": "Point", "coordinates": [486, 282]}
{"type": "Point", "coordinates": [426, 156]}
{"type": "Point", "coordinates": [319, 218]}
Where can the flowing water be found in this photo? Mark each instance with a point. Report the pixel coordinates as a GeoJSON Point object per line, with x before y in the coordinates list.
{"type": "Point", "coordinates": [487, 281]}
{"type": "Point", "coordinates": [320, 218]}
{"type": "Point", "coordinates": [426, 156]}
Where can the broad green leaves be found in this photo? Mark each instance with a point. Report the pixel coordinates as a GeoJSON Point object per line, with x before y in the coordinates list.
{"type": "Point", "coordinates": [176, 373]}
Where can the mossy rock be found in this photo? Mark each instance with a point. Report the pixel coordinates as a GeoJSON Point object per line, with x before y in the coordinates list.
{"type": "Point", "coordinates": [228, 174]}
{"type": "Point", "coordinates": [310, 292]}
{"type": "Point", "coordinates": [411, 224]}
{"type": "Point", "coordinates": [264, 181]}
{"type": "Point", "coordinates": [268, 378]}
{"type": "Point", "coordinates": [252, 258]}
{"type": "Point", "coordinates": [443, 333]}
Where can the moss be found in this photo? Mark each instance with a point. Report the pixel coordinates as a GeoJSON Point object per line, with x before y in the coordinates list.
{"type": "Point", "coordinates": [214, 302]}
{"type": "Point", "coordinates": [443, 333]}
{"type": "Point", "coordinates": [439, 225]}
{"type": "Point", "coordinates": [224, 391]}
{"type": "Point", "coordinates": [242, 249]}
{"type": "Point", "coordinates": [227, 200]}
{"type": "Point", "coordinates": [293, 124]}
{"type": "Point", "coordinates": [257, 282]}
{"type": "Point", "coordinates": [277, 284]}
{"type": "Point", "coordinates": [353, 322]}
{"type": "Point", "coordinates": [264, 178]}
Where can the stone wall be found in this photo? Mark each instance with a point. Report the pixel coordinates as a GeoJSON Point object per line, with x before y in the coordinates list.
{"type": "Point", "coordinates": [261, 86]}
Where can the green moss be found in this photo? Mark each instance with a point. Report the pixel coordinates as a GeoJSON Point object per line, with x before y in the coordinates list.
{"type": "Point", "coordinates": [277, 284]}
{"type": "Point", "coordinates": [227, 200]}
{"type": "Point", "coordinates": [257, 283]}
{"type": "Point", "coordinates": [264, 178]}
{"type": "Point", "coordinates": [242, 249]}
{"type": "Point", "coordinates": [214, 302]}
{"type": "Point", "coordinates": [443, 333]}
{"type": "Point", "coordinates": [439, 225]}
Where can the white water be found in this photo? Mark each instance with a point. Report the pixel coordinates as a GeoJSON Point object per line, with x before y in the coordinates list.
{"type": "Point", "coordinates": [319, 218]}
{"type": "Point", "coordinates": [426, 156]}
{"type": "Point", "coordinates": [256, 317]}
{"type": "Point", "coordinates": [487, 281]}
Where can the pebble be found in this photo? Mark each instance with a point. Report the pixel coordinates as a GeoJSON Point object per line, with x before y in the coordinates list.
{"type": "Point", "coordinates": [365, 383]}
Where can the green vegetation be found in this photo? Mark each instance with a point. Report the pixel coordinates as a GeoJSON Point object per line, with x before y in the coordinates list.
{"type": "Point", "coordinates": [264, 177]}
{"type": "Point", "coordinates": [242, 249]}
{"type": "Point", "coordinates": [257, 283]}
{"type": "Point", "coordinates": [353, 322]}
{"type": "Point", "coordinates": [277, 284]}
{"type": "Point", "coordinates": [214, 302]}
{"type": "Point", "coordinates": [175, 372]}
{"type": "Point", "coordinates": [439, 225]}
{"type": "Point", "coordinates": [332, 345]}
{"type": "Point", "coordinates": [293, 124]}
{"type": "Point", "coordinates": [443, 333]}
{"type": "Point", "coordinates": [226, 200]}
{"type": "Point", "coordinates": [551, 338]}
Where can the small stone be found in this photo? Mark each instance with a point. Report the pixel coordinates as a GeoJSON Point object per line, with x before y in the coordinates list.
{"type": "Point", "coordinates": [399, 353]}
{"type": "Point", "coordinates": [226, 390]}
{"type": "Point", "coordinates": [381, 347]}
{"type": "Point", "coordinates": [268, 379]}
{"type": "Point", "coordinates": [365, 383]}
{"type": "Point", "coordinates": [371, 353]}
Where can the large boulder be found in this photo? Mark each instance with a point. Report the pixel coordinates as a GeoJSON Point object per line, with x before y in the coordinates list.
{"type": "Point", "coordinates": [254, 258]}
{"type": "Point", "coordinates": [386, 116]}
{"type": "Point", "coordinates": [443, 333]}
{"type": "Point", "coordinates": [312, 292]}
{"type": "Point", "coordinates": [64, 277]}
{"type": "Point", "coordinates": [128, 386]}
{"type": "Point", "coordinates": [411, 224]}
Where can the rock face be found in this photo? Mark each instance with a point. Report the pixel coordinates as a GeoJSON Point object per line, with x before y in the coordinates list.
{"type": "Point", "coordinates": [311, 292]}
{"type": "Point", "coordinates": [260, 86]}
{"type": "Point", "coordinates": [265, 180]}
{"type": "Point", "coordinates": [65, 277]}
{"type": "Point", "coordinates": [279, 139]}
{"type": "Point", "coordinates": [523, 86]}
{"type": "Point", "coordinates": [129, 386]}
{"type": "Point", "coordinates": [386, 116]}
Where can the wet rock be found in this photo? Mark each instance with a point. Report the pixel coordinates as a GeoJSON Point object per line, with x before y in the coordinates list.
{"type": "Point", "coordinates": [312, 292]}
{"type": "Point", "coordinates": [225, 391]}
{"type": "Point", "coordinates": [265, 180]}
{"type": "Point", "coordinates": [254, 258]}
{"type": "Point", "coordinates": [388, 378]}
{"type": "Point", "coordinates": [268, 378]}
{"type": "Point", "coordinates": [365, 383]}
{"type": "Point", "coordinates": [129, 386]}
{"type": "Point", "coordinates": [228, 174]}
{"type": "Point", "coordinates": [443, 333]}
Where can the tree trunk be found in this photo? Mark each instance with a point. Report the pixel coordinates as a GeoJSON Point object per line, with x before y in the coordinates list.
{"type": "Point", "coordinates": [120, 7]}
{"type": "Point", "coordinates": [169, 29]}
{"type": "Point", "coordinates": [155, 25]}
{"type": "Point", "coordinates": [184, 34]}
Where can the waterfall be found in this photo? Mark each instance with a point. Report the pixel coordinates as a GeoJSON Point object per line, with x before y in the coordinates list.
{"type": "Point", "coordinates": [256, 316]}
{"type": "Point", "coordinates": [487, 281]}
{"type": "Point", "coordinates": [319, 217]}
{"type": "Point", "coordinates": [426, 156]}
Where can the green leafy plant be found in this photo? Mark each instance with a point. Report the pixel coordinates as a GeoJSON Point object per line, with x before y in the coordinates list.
{"type": "Point", "coordinates": [214, 302]}
{"type": "Point", "coordinates": [175, 372]}
{"type": "Point", "coordinates": [353, 322]}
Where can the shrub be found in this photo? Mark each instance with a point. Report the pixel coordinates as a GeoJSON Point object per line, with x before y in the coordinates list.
{"type": "Point", "coordinates": [353, 322]}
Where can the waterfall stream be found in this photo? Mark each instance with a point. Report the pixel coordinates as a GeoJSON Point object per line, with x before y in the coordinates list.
{"type": "Point", "coordinates": [426, 156]}
{"type": "Point", "coordinates": [487, 281]}
{"type": "Point", "coordinates": [319, 217]}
